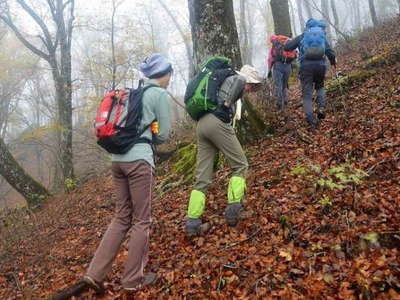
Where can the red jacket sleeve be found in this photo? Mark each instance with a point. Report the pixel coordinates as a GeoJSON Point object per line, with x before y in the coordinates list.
{"type": "Point", "coordinates": [270, 60]}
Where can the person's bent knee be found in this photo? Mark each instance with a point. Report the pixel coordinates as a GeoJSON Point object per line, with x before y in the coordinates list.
{"type": "Point", "coordinates": [125, 222]}
{"type": "Point", "coordinates": [142, 224]}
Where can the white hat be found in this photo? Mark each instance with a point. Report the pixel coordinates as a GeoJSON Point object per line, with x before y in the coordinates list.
{"type": "Point", "coordinates": [250, 73]}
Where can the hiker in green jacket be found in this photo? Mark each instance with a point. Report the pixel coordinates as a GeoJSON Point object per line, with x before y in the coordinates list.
{"type": "Point", "coordinates": [215, 132]}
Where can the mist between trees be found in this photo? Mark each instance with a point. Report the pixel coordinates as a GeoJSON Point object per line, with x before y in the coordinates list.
{"type": "Point", "coordinates": [59, 57]}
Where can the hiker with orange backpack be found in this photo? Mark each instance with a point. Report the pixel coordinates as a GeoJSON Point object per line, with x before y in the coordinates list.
{"type": "Point", "coordinates": [313, 47]}
{"type": "Point", "coordinates": [280, 68]}
{"type": "Point", "coordinates": [127, 125]}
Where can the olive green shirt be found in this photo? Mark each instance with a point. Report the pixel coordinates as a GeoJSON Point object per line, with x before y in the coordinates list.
{"type": "Point", "coordinates": [155, 107]}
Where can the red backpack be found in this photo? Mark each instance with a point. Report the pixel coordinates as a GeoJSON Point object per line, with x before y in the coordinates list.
{"type": "Point", "coordinates": [278, 44]}
{"type": "Point", "coordinates": [118, 120]}
{"type": "Point", "coordinates": [109, 113]}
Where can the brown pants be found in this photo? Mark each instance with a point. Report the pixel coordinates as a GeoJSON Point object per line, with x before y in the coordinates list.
{"type": "Point", "coordinates": [133, 182]}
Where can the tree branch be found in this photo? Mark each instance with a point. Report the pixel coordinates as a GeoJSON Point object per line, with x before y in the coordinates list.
{"type": "Point", "coordinates": [182, 33]}
{"type": "Point", "coordinates": [24, 41]}
{"type": "Point", "coordinates": [66, 4]}
{"type": "Point", "coordinates": [39, 21]}
{"type": "Point", "coordinates": [70, 23]}
{"type": "Point", "coordinates": [328, 19]}
{"type": "Point", "coordinates": [52, 8]}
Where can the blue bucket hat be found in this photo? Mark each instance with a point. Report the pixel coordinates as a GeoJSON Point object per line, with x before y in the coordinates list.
{"type": "Point", "coordinates": [155, 66]}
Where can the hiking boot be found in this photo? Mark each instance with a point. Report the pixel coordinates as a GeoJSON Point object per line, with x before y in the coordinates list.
{"type": "Point", "coordinates": [232, 213]}
{"type": "Point", "coordinates": [321, 113]}
{"type": "Point", "coordinates": [313, 126]}
{"type": "Point", "coordinates": [148, 279]}
{"type": "Point", "coordinates": [97, 286]}
{"type": "Point", "coordinates": [192, 227]}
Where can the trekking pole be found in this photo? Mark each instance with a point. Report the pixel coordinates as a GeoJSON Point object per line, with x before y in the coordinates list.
{"type": "Point", "coordinates": [175, 100]}
{"type": "Point", "coordinates": [337, 76]}
{"type": "Point", "coordinates": [341, 90]}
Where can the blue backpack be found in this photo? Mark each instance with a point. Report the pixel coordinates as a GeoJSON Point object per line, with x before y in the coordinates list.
{"type": "Point", "coordinates": [314, 41]}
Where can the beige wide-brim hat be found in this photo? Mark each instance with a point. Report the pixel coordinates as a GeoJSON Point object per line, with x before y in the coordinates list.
{"type": "Point", "coordinates": [250, 74]}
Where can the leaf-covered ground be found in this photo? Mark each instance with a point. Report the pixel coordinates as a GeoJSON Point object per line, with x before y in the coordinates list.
{"type": "Point", "coordinates": [322, 210]}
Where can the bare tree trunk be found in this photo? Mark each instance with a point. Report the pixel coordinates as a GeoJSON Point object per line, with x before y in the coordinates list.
{"type": "Point", "coordinates": [214, 33]}
{"type": "Point", "coordinates": [214, 30]}
{"type": "Point", "coordinates": [30, 189]}
{"type": "Point", "coordinates": [325, 10]}
{"type": "Point", "coordinates": [281, 15]}
{"type": "Point", "coordinates": [356, 16]}
{"type": "Point", "coordinates": [327, 19]}
{"type": "Point", "coordinates": [188, 47]}
{"type": "Point", "coordinates": [335, 17]}
{"type": "Point", "coordinates": [58, 56]}
{"type": "Point", "coordinates": [292, 16]}
{"type": "Point", "coordinates": [372, 9]}
{"type": "Point", "coordinates": [244, 38]}
{"type": "Point", "coordinates": [300, 13]}
{"type": "Point", "coordinates": [250, 31]}
{"type": "Point", "coordinates": [4, 112]}
{"type": "Point", "coordinates": [38, 151]}
{"type": "Point", "coordinates": [114, 64]}
{"type": "Point", "coordinates": [308, 9]}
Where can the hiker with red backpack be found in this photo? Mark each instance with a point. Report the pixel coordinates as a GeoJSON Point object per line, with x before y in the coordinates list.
{"type": "Point", "coordinates": [313, 47]}
{"type": "Point", "coordinates": [135, 120]}
{"type": "Point", "coordinates": [280, 68]}
{"type": "Point", "coordinates": [210, 99]}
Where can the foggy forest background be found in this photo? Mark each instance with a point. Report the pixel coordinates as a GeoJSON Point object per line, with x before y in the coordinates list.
{"type": "Point", "coordinates": [109, 40]}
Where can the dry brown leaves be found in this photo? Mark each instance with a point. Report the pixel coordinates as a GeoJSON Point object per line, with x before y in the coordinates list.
{"type": "Point", "coordinates": [299, 240]}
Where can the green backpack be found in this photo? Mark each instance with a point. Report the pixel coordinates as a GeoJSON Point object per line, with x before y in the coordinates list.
{"type": "Point", "coordinates": [202, 91]}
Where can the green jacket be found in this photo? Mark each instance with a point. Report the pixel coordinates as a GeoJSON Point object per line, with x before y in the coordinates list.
{"type": "Point", "coordinates": [156, 106]}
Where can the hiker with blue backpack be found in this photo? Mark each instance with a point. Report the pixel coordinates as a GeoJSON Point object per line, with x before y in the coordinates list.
{"type": "Point", "coordinates": [210, 99]}
{"type": "Point", "coordinates": [313, 47]}
{"type": "Point", "coordinates": [128, 123]}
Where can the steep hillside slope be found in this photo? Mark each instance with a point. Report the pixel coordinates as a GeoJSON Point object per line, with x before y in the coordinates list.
{"type": "Point", "coordinates": [322, 216]}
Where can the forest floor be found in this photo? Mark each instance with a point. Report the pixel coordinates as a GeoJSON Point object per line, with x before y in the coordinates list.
{"type": "Point", "coordinates": [322, 217]}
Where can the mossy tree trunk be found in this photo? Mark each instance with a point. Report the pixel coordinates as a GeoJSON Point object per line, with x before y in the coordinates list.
{"type": "Point", "coordinates": [281, 15]}
{"type": "Point", "coordinates": [251, 126]}
{"type": "Point", "coordinates": [214, 33]}
{"type": "Point", "coordinates": [31, 190]}
{"type": "Point", "coordinates": [214, 30]}
{"type": "Point", "coordinates": [55, 48]}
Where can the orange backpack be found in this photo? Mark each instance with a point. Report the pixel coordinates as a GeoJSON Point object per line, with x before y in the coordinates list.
{"type": "Point", "coordinates": [278, 43]}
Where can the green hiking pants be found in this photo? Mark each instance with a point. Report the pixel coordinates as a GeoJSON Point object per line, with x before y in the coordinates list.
{"type": "Point", "coordinates": [214, 135]}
